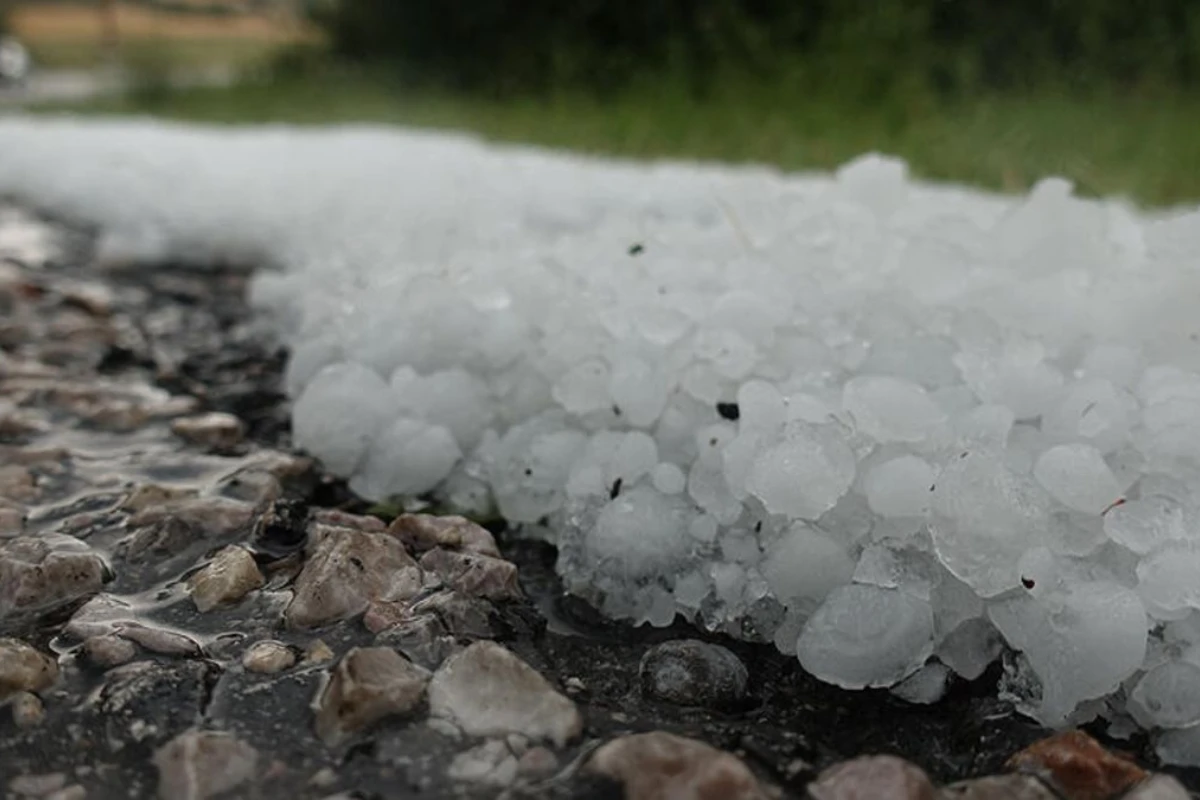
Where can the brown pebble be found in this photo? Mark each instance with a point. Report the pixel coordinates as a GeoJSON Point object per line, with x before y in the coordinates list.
{"type": "Point", "coordinates": [226, 579]}
{"type": "Point", "coordinates": [657, 765]}
{"type": "Point", "coordinates": [872, 778]}
{"type": "Point", "coordinates": [1078, 766]}
{"type": "Point", "coordinates": [27, 709]}
{"type": "Point", "coordinates": [317, 652]}
{"type": "Point", "coordinates": [474, 575]}
{"type": "Point", "coordinates": [268, 657]}
{"type": "Point", "coordinates": [345, 570]}
{"type": "Point", "coordinates": [24, 668]}
{"type": "Point", "coordinates": [423, 532]}
{"type": "Point", "coordinates": [215, 430]}
{"type": "Point", "coordinates": [368, 684]}
{"type": "Point", "coordinates": [109, 650]}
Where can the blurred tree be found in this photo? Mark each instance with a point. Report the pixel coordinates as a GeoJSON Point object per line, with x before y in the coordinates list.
{"type": "Point", "coordinates": [862, 46]}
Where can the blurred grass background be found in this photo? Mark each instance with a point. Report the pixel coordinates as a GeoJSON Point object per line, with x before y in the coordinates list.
{"type": "Point", "coordinates": [998, 95]}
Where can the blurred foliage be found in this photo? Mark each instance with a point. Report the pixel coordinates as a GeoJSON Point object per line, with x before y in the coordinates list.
{"type": "Point", "coordinates": [865, 47]}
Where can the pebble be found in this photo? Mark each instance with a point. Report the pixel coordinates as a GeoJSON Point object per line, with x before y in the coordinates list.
{"type": "Point", "coordinates": [368, 684]}
{"type": "Point", "coordinates": [488, 764]}
{"type": "Point", "coordinates": [424, 532]}
{"type": "Point", "coordinates": [200, 764]}
{"type": "Point", "coordinates": [40, 574]}
{"type": "Point", "coordinates": [12, 520]}
{"type": "Point", "coordinates": [317, 652]}
{"type": "Point", "coordinates": [474, 575]}
{"type": "Point", "coordinates": [17, 483]}
{"type": "Point", "coordinates": [347, 569]}
{"type": "Point", "coordinates": [1158, 787]}
{"type": "Point", "coordinates": [657, 765]}
{"type": "Point", "coordinates": [214, 430]}
{"type": "Point", "coordinates": [487, 691]}
{"type": "Point", "coordinates": [999, 787]}
{"type": "Point", "coordinates": [872, 778]}
{"type": "Point", "coordinates": [24, 668]}
{"type": "Point", "coordinates": [229, 577]}
{"type": "Point", "coordinates": [37, 785]}
{"type": "Point", "coordinates": [693, 673]}
{"type": "Point", "coordinates": [268, 657]}
{"type": "Point", "coordinates": [1078, 766]}
{"type": "Point", "coordinates": [27, 709]}
{"type": "Point", "coordinates": [159, 640]}
{"type": "Point", "coordinates": [204, 517]}
{"type": "Point", "coordinates": [344, 519]}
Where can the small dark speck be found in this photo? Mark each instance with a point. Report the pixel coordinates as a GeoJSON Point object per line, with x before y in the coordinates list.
{"type": "Point", "coordinates": [544, 521]}
{"type": "Point", "coordinates": [1028, 583]}
{"type": "Point", "coordinates": [616, 409]}
{"type": "Point", "coordinates": [758, 526]}
{"type": "Point", "coordinates": [964, 454]}
{"type": "Point", "coordinates": [729, 411]}
{"type": "Point", "coordinates": [712, 442]}
{"type": "Point", "coordinates": [615, 492]}
{"type": "Point", "coordinates": [636, 249]}
{"type": "Point", "coordinates": [357, 562]}
{"type": "Point", "coordinates": [932, 487]}
{"type": "Point", "coordinates": [528, 471]}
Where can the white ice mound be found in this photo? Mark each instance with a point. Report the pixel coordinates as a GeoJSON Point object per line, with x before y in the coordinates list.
{"type": "Point", "coordinates": [873, 421]}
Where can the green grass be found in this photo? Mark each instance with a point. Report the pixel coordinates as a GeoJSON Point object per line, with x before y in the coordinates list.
{"type": "Point", "coordinates": [1138, 145]}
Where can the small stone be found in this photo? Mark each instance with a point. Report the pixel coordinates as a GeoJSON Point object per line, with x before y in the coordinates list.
{"type": "Point", "coordinates": [693, 673]}
{"type": "Point", "coordinates": [870, 778]}
{"type": "Point", "coordinates": [488, 764]}
{"type": "Point", "coordinates": [27, 709]}
{"type": "Point", "coordinates": [24, 668]}
{"type": "Point", "coordinates": [574, 685]}
{"type": "Point", "coordinates": [323, 778]}
{"type": "Point", "coordinates": [17, 484]}
{"type": "Point", "coordinates": [1078, 766]}
{"type": "Point", "coordinates": [201, 764]}
{"type": "Point", "coordinates": [206, 517]}
{"type": "Point", "coordinates": [109, 650]}
{"type": "Point", "coordinates": [215, 430]}
{"type": "Point", "coordinates": [423, 532]}
{"type": "Point", "coordinates": [42, 573]}
{"type": "Point", "coordinates": [487, 691]}
{"type": "Point", "coordinates": [317, 653]}
{"type": "Point", "coordinates": [159, 640]}
{"type": "Point", "coordinates": [12, 520]}
{"type": "Point", "coordinates": [537, 762]}
{"type": "Point", "coordinates": [37, 785]}
{"type": "Point", "coordinates": [344, 519]}
{"type": "Point", "coordinates": [474, 575]}
{"type": "Point", "coordinates": [230, 575]}
{"type": "Point", "coordinates": [658, 765]}
{"type": "Point", "coordinates": [268, 657]}
{"type": "Point", "coordinates": [368, 684]}
{"type": "Point", "coordinates": [72, 792]}
{"type": "Point", "coordinates": [149, 495]}
{"type": "Point", "coordinates": [346, 569]}
{"type": "Point", "coordinates": [999, 787]}
{"type": "Point", "coordinates": [1158, 787]}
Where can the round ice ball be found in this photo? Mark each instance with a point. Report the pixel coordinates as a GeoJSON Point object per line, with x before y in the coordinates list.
{"type": "Point", "coordinates": [340, 412]}
{"type": "Point", "coordinates": [866, 636]}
